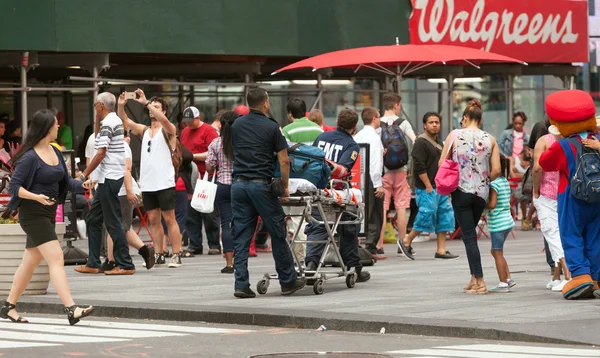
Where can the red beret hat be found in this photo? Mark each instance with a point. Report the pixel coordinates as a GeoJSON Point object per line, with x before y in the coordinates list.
{"type": "Point", "coordinates": [570, 106]}
{"type": "Point", "coordinates": [241, 110]}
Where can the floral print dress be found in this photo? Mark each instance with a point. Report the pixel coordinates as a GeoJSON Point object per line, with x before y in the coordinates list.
{"type": "Point", "coordinates": [472, 150]}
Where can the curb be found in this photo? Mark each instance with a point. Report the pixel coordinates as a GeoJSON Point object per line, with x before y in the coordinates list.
{"type": "Point", "coordinates": [397, 326]}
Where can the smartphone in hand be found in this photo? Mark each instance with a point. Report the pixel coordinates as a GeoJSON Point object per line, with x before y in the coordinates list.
{"type": "Point", "coordinates": [129, 95]}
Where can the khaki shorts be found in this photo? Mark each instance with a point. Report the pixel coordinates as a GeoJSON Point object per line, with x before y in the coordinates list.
{"type": "Point", "coordinates": [396, 186]}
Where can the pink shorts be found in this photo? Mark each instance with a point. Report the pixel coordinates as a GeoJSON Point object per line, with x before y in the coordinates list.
{"type": "Point", "coordinates": [396, 186]}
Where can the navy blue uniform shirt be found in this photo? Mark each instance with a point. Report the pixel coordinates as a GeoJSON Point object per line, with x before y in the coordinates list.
{"type": "Point", "coordinates": [256, 138]}
{"type": "Point", "coordinates": [339, 147]}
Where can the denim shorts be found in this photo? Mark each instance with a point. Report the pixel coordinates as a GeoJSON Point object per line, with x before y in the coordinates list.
{"type": "Point", "coordinates": [498, 239]}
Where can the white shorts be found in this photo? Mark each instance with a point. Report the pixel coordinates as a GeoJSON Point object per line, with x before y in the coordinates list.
{"type": "Point", "coordinates": [547, 210]}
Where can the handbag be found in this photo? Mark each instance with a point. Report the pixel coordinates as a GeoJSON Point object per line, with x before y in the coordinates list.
{"type": "Point", "coordinates": [446, 179]}
{"type": "Point", "coordinates": [205, 193]}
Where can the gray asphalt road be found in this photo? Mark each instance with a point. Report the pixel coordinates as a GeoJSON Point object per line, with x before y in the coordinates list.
{"type": "Point", "coordinates": [51, 336]}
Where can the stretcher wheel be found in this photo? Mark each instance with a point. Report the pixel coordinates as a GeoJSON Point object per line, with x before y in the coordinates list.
{"type": "Point", "coordinates": [318, 287]}
{"type": "Point", "coordinates": [351, 280]}
{"type": "Point", "coordinates": [262, 286]}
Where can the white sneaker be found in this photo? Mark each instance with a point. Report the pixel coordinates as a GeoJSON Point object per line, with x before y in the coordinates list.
{"type": "Point", "coordinates": [553, 283]}
{"type": "Point", "coordinates": [175, 261]}
{"type": "Point", "coordinates": [559, 287]}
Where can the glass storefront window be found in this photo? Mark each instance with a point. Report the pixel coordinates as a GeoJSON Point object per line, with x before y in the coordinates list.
{"type": "Point", "coordinates": [532, 103]}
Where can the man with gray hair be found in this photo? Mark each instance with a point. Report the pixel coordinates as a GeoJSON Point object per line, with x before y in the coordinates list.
{"type": "Point", "coordinates": [110, 164]}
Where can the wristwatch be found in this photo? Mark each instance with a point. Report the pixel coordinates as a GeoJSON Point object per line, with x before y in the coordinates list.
{"type": "Point", "coordinates": [82, 177]}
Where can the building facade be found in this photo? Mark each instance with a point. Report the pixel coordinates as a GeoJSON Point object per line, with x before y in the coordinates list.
{"type": "Point", "coordinates": [208, 52]}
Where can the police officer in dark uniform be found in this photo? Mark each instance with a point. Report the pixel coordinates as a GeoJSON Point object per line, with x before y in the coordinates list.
{"type": "Point", "coordinates": [256, 138]}
{"type": "Point", "coordinates": [341, 149]}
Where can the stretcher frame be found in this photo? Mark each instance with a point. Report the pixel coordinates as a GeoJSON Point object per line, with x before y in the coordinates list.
{"type": "Point", "coordinates": [331, 211]}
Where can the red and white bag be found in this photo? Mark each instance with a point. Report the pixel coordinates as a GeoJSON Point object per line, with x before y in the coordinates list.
{"type": "Point", "coordinates": [205, 193]}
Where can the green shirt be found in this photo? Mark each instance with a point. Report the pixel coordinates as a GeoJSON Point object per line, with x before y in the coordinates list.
{"type": "Point", "coordinates": [500, 218]}
{"type": "Point", "coordinates": [303, 131]}
{"type": "Point", "coordinates": [65, 135]}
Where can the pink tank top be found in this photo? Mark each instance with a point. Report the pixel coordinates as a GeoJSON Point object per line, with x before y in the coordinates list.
{"type": "Point", "coordinates": [549, 182]}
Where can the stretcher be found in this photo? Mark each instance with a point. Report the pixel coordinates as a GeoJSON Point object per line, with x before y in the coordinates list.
{"type": "Point", "coordinates": [331, 204]}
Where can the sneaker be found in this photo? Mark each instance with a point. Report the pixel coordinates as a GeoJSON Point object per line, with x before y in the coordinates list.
{"type": "Point", "coordinates": [312, 267]}
{"type": "Point", "coordinates": [227, 269]}
{"type": "Point", "coordinates": [214, 251]}
{"type": "Point", "coordinates": [446, 256]}
{"type": "Point", "coordinates": [160, 260]}
{"type": "Point", "coordinates": [559, 287]}
{"type": "Point", "coordinates": [175, 261]}
{"type": "Point", "coordinates": [511, 283]}
{"type": "Point", "coordinates": [245, 293]}
{"type": "Point", "coordinates": [108, 265]}
{"type": "Point", "coordinates": [500, 289]}
{"type": "Point", "coordinates": [597, 293]}
{"type": "Point", "coordinates": [149, 256]}
{"type": "Point", "coordinates": [404, 250]}
{"type": "Point", "coordinates": [553, 283]}
{"type": "Point", "coordinates": [380, 251]}
{"type": "Point", "coordinates": [298, 285]}
{"type": "Point", "coordinates": [363, 276]}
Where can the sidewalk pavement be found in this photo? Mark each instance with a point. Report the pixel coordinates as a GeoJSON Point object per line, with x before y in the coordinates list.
{"type": "Point", "coordinates": [422, 297]}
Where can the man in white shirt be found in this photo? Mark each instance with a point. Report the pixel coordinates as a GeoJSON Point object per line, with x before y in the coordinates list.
{"type": "Point", "coordinates": [371, 119]}
{"type": "Point", "coordinates": [109, 164]}
{"type": "Point", "coordinates": [157, 174]}
{"type": "Point", "coordinates": [395, 183]}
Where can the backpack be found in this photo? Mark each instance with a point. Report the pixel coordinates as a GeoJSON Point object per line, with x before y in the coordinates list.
{"type": "Point", "coordinates": [307, 162]}
{"type": "Point", "coordinates": [394, 141]}
{"type": "Point", "coordinates": [585, 173]}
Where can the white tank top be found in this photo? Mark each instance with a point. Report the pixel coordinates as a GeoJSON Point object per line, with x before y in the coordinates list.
{"type": "Point", "coordinates": [156, 168]}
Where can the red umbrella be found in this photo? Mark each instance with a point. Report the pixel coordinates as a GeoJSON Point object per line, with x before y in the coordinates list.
{"type": "Point", "coordinates": [402, 59]}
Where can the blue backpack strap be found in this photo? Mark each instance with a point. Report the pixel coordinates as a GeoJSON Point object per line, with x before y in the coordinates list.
{"type": "Point", "coordinates": [565, 144]}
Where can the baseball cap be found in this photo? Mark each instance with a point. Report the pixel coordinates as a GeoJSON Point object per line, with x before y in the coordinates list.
{"type": "Point", "coordinates": [241, 110]}
{"type": "Point", "coordinates": [190, 113]}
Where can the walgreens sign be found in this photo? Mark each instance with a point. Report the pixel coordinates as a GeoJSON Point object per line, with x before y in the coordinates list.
{"type": "Point", "coordinates": [549, 31]}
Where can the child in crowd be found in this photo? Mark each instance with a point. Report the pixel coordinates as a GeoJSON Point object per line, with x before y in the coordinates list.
{"type": "Point", "coordinates": [500, 223]}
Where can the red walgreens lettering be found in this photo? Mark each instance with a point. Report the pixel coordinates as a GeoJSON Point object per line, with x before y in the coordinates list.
{"type": "Point", "coordinates": [556, 31]}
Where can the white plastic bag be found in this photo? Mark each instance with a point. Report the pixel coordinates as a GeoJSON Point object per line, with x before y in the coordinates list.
{"type": "Point", "coordinates": [205, 193]}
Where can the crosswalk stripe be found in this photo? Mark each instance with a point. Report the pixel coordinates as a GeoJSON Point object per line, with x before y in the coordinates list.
{"type": "Point", "coordinates": [437, 352]}
{"type": "Point", "coordinates": [87, 331]}
{"type": "Point", "coordinates": [56, 338]}
{"type": "Point", "coordinates": [528, 349]}
{"type": "Point", "coordinates": [14, 344]}
{"type": "Point", "coordinates": [141, 326]}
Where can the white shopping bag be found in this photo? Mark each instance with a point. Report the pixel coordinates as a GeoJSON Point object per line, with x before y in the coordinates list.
{"type": "Point", "coordinates": [204, 195]}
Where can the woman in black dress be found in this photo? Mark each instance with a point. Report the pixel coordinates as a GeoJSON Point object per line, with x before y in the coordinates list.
{"type": "Point", "coordinates": [40, 182]}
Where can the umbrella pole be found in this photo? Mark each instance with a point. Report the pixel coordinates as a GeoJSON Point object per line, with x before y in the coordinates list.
{"type": "Point", "coordinates": [398, 79]}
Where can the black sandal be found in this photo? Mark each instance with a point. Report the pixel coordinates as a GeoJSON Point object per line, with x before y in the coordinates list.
{"type": "Point", "coordinates": [70, 311]}
{"type": "Point", "coordinates": [7, 307]}
{"type": "Point", "coordinates": [188, 253]}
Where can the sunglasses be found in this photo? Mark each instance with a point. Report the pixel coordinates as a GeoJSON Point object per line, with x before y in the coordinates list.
{"type": "Point", "coordinates": [149, 145]}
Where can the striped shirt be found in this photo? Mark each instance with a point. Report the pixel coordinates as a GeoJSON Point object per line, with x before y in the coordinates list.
{"type": "Point", "coordinates": [500, 218]}
{"type": "Point", "coordinates": [303, 131]}
{"type": "Point", "coordinates": [111, 137]}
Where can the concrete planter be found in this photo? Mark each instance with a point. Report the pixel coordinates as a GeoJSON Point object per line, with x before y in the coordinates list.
{"type": "Point", "coordinates": [12, 244]}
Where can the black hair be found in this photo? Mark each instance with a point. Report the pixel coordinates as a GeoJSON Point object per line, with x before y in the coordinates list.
{"type": "Point", "coordinates": [256, 97]}
{"type": "Point", "coordinates": [431, 114]}
{"type": "Point", "coordinates": [227, 120]}
{"type": "Point", "coordinates": [504, 166]}
{"type": "Point", "coordinates": [42, 122]}
{"type": "Point", "coordinates": [520, 114]}
{"type": "Point", "coordinates": [297, 107]}
{"type": "Point", "coordinates": [163, 103]}
{"type": "Point", "coordinates": [89, 129]}
{"type": "Point", "coordinates": [11, 127]}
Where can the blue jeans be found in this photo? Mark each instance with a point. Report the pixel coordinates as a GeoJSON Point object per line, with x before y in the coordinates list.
{"type": "Point", "coordinates": [106, 208]}
{"type": "Point", "coordinates": [348, 242]}
{"type": "Point", "coordinates": [193, 227]}
{"type": "Point", "coordinates": [223, 203]}
{"type": "Point", "coordinates": [498, 239]}
{"type": "Point", "coordinates": [249, 200]}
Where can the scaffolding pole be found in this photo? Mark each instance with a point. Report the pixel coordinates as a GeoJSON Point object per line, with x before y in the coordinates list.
{"type": "Point", "coordinates": [24, 64]}
{"type": "Point", "coordinates": [161, 83]}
